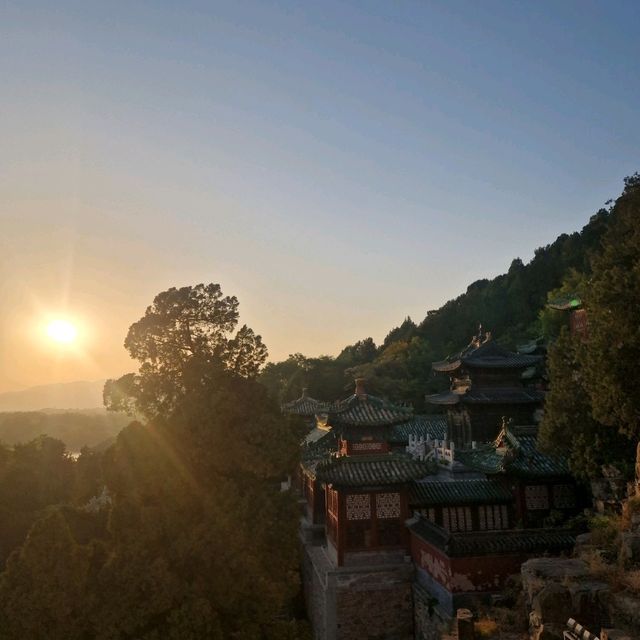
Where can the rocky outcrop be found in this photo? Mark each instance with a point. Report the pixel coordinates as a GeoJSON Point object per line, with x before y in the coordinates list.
{"type": "Point", "coordinates": [556, 589]}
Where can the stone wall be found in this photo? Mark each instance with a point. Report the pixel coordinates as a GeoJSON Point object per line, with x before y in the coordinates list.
{"type": "Point", "coordinates": [428, 621]}
{"type": "Point", "coordinates": [315, 590]}
{"type": "Point", "coordinates": [374, 605]}
{"type": "Point", "coordinates": [368, 602]}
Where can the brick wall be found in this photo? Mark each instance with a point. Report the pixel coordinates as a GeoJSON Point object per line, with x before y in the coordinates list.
{"type": "Point", "coordinates": [374, 606]}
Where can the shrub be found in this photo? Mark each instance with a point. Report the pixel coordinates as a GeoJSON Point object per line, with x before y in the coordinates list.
{"type": "Point", "coordinates": [486, 628]}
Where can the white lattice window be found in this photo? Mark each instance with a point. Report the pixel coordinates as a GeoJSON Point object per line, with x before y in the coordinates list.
{"type": "Point", "coordinates": [505, 516]}
{"type": "Point", "coordinates": [563, 496]}
{"type": "Point", "coordinates": [536, 497]}
{"type": "Point", "coordinates": [387, 505]}
{"type": "Point", "coordinates": [366, 446]}
{"type": "Point", "coordinates": [358, 506]}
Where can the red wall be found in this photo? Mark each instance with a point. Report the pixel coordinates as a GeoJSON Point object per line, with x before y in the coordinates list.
{"type": "Point", "coordinates": [461, 575]}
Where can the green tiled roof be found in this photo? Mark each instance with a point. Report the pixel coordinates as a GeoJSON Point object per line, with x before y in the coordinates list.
{"type": "Point", "coordinates": [321, 447]}
{"type": "Point", "coordinates": [360, 471]}
{"type": "Point", "coordinates": [493, 542]}
{"type": "Point", "coordinates": [304, 406]}
{"type": "Point", "coordinates": [486, 355]}
{"type": "Point", "coordinates": [444, 398]}
{"type": "Point", "coordinates": [515, 395]}
{"type": "Point", "coordinates": [459, 492]}
{"type": "Point", "coordinates": [433, 427]}
{"type": "Point", "coordinates": [566, 303]}
{"type": "Point", "coordinates": [514, 451]}
{"type": "Point", "coordinates": [367, 410]}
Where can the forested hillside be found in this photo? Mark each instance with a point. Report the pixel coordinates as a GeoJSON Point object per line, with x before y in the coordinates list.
{"type": "Point", "coordinates": [509, 306]}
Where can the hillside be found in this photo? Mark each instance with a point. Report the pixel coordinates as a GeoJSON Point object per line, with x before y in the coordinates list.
{"type": "Point", "coordinates": [508, 305]}
{"type": "Point", "coordinates": [70, 395]}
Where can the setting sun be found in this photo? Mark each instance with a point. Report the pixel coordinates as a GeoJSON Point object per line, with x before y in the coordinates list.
{"type": "Point", "coordinates": [62, 331]}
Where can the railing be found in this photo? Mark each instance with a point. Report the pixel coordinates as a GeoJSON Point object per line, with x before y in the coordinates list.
{"type": "Point", "coordinates": [576, 631]}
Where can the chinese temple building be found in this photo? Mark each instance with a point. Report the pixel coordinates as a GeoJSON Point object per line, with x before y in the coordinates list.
{"type": "Point", "coordinates": [358, 576]}
{"type": "Point", "coordinates": [487, 383]}
{"type": "Point", "coordinates": [468, 535]}
{"type": "Point", "coordinates": [400, 527]}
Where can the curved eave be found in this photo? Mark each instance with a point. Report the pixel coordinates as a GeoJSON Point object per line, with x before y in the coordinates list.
{"type": "Point", "coordinates": [515, 362]}
{"type": "Point", "coordinates": [519, 397]}
{"type": "Point", "coordinates": [447, 398]}
{"type": "Point", "coordinates": [445, 366]}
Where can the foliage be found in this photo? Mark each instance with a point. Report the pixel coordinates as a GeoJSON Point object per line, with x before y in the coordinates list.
{"type": "Point", "coordinates": [552, 321]}
{"type": "Point", "coordinates": [486, 628]}
{"type": "Point", "coordinates": [568, 422]}
{"type": "Point", "coordinates": [32, 477]}
{"type": "Point", "coordinates": [198, 540]}
{"type": "Point", "coordinates": [612, 352]}
{"type": "Point", "coordinates": [592, 409]}
{"type": "Point", "coordinates": [183, 332]}
{"type": "Point", "coordinates": [508, 305]}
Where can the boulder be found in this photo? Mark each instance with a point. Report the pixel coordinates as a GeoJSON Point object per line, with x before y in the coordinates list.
{"type": "Point", "coordinates": [583, 540]}
{"type": "Point", "coordinates": [629, 547]}
{"type": "Point", "coordinates": [625, 610]}
{"type": "Point", "coordinates": [552, 604]}
{"type": "Point", "coordinates": [537, 572]}
{"type": "Point", "coordinates": [550, 631]}
{"type": "Point", "coordinates": [590, 603]}
{"type": "Point", "coordinates": [615, 634]}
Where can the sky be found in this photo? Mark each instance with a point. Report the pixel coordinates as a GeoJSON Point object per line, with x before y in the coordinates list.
{"type": "Point", "coordinates": [335, 165]}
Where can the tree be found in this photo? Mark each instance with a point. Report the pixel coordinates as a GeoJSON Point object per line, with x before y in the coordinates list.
{"type": "Point", "coordinates": [612, 354]}
{"type": "Point", "coordinates": [593, 405]}
{"type": "Point", "coordinates": [198, 540]}
{"type": "Point", "coordinates": [568, 424]}
{"type": "Point", "coordinates": [44, 590]}
{"type": "Point", "coordinates": [33, 476]}
{"type": "Point", "coordinates": [183, 332]}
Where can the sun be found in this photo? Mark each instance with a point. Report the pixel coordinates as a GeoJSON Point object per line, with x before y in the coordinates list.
{"type": "Point", "coordinates": [62, 331]}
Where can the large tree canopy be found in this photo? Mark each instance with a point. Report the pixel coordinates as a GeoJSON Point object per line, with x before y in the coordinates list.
{"type": "Point", "coordinates": [593, 405]}
{"type": "Point", "coordinates": [612, 354]}
{"type": "Point", "coordinates": [197, 540]}
{"type": "Point", "coordinates": [185, 331]}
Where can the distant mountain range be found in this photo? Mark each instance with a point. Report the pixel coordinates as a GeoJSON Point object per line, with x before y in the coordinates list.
{"type": "Point", "coordinates": [55, 397]}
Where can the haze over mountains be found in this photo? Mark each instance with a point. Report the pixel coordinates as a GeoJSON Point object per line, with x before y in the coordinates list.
{"type": "Point", "coordinates": [71, 395]}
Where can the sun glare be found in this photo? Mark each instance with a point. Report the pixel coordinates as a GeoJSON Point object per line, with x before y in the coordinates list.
{"type": "Point", "coordinates": [62, 331]}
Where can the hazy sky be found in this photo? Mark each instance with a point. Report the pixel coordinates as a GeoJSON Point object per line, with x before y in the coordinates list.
{"type": "Point", "coordinates": [336, 165]}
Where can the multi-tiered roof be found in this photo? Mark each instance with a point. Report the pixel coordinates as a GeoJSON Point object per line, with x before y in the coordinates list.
{"type": "Point", "coordinates": [487, 382]}
{"type": "Point", "coordinates": [501, 369]}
